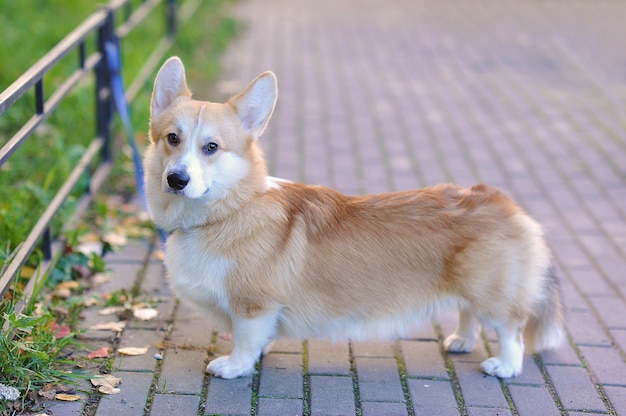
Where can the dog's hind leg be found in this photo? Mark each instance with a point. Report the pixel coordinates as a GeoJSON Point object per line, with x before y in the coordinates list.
{"type": "Point", "coordinates": [250, 337]}
{"type": "Point", "coordinates": [510, 358]}
{"type": "Point", "coordinates": [464, 337]}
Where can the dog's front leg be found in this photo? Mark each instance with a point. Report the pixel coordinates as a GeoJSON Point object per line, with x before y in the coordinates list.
{"type": "Point", "coordinates": [250, 336]}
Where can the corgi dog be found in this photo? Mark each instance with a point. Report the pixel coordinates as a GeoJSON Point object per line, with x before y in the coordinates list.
{"type": "Point", "coordinates": [266, 257]}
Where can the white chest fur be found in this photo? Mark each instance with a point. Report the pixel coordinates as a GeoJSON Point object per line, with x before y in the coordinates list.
{"type": "Point", "coordinates": [196, 274]}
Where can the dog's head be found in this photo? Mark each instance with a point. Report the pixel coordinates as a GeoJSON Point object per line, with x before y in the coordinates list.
{"type": "Point", "coordinates": [203, 148]}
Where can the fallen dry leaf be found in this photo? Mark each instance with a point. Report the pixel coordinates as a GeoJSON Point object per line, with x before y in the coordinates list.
{"type": "Point", "coordinates": [100, 278]}
{"type": "Point", "coordinates": [106, 384]}
{"type": "Point", "coordinates": [111, 310]}
{"type": "Point", "coordinates": [140, 305]}
{"type": "Point", "coordinates": [48, 391]}
{"type": "Point", "coordinates": [145, 314]}
{"type": "Point", "coordinates": [60, 331]}
{"type": "Point", "coordinates": [90, 302]}
{"type": "Point", "coordinates": [99, 353]}
{"type": "Point", "coordinates": [67, 397]}
{"type": "Point", "coordinates": [132, 230]}
{"type": "Point", "coordinates": [89, 237]}
{"type": "Point", "coordinates": [133, 351]}
{"type": "Point", "coordinates": [70, 284]}
{"type": "Point", "coordinates": [116, 326]}
{"type": "Point", "coordinates": [103, 379]}
{"type": "Point", "coordinates": [64, 293]}
{"type": "Point", "coordinates": [94, 246]}
{"type": "Point", "coordinates": [27, 272]}
{"type": "Point", "coordinates": [115, 239]}
{"type": "Point", "coordinates": [161, 345]}
{"type": "Point", "coordinates": [106, 389]}
{"type": "Point", "coordinates": [38, 309]}
{"type": "Point", "coordinates": [121, 297]}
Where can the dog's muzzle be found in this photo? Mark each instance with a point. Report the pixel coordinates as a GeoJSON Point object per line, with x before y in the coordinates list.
{"type": "Point", "coordinates": [177, 180]}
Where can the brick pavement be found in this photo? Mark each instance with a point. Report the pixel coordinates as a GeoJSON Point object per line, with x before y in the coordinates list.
{"type": "Point", "coordinates": [378, 96]}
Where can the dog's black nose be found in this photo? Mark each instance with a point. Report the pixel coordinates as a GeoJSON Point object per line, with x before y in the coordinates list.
{"type": "Point", "coordinates": [177, 180]}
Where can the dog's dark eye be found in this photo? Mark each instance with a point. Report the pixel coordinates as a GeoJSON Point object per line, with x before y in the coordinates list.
{"type": "Point", "coordinates": [172, 138]}
{"type": "Point", "coordinates": [210, 148]}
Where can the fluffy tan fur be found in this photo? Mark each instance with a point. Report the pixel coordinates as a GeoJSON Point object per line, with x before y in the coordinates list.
{"type": "Point", "coordinates": [266, 257]}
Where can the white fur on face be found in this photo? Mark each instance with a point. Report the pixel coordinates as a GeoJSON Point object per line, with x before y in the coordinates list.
{"type": "Point", "coordinates": [210, 175]}
{"type": "Point", "coordinates": [229, 169]}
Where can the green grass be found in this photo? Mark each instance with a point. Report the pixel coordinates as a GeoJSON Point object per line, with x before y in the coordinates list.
{"type": "Point", "coordinates": [32, 176]}
{"type": "Point", "coordinates": [31, 354]}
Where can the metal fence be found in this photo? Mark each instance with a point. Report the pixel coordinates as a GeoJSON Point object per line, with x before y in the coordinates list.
{"type": "Point", "coordinates": [112, 22]}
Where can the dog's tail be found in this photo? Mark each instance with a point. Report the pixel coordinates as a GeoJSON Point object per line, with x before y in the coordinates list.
{"type": "Point", "coordinates": [544, 330]}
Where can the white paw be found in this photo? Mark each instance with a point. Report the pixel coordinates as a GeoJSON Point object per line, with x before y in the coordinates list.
{"type": "Point", "coordinates": [456, 343]}
{"type": "Point", "coordinates": [496, 367]}
{"type": "Point", "coordinates": [228, 367]}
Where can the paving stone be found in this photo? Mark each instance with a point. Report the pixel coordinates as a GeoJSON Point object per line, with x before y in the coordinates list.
{"type": "Point", "coordinates": [590, 281]}
{"type": "Point", "coordinates": [423, 359]}
{"type": "Point", "coordinates": [169, 404]}
{"type": "Point", "coordinates": [479, 389]}
{"type": "Point", "coordinates": [620, 337]}
{"type": "Point", "coordinates": [606, 364]}
{"type": "Point", "coordinates": [424, 332]}
{"type": "Point", "coordinates": [281, 376]}
{"type": "Point", "coordinates": [574, 388]}
{"type": "Point", "coordinates": [230, 397]}
{"type": "Point", "coordinates": [585, 329]}
{"type": "Point", "coordinates": [531, 400]}
{"type": "Point", "coordinates": [487, 411]}
{"type": "Point", "coordinates": [287, 345]}
{"type": "Point", "coordinates": [373, 349]}
{"type": "Point", "coordinates": [326, 357]}
{"type": "Point", "coordinates": [331, 395]}
{"type": "Point", "coordinates": [156, 288]}
{"type": "Point", "coordinates": [610, 309]}
{"type": "Point", "coordinates": [124, 276]}
{"type": "Point", "coordinates": [182, 371]}
{"type": "Point", "coordinates": [138, 338]}
{"type": "Point", "coordinates": [133, 252]}
{"type": "Point", "coordinates": [67, 409]}
{"type": "Point", "coordinates": [387, 409]}
{"type": "Point", "coordinates": [617, 397]}
{"type": "Point", "coordinates": [272, 407]}
{"type": "Point", "coordinates": [379, 380]}
{"type": "Point", "coordinates": [91, 318]}
{"type": "Point", "coordinates": [155, 280]}
{"type": "Point", "coordinates": [431, 397]}
{"type": "Point", "coordinates": [564, 355]}
{"type": "Point", "coordinates": [132, 398]}
{"type": "Point", "coordinates": [60, 408]}
{"type": "Point", "coordinates": [192, 328]}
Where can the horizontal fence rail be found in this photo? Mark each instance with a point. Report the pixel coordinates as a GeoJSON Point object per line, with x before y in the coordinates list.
{"type": "Point", "coordinates": [99, 153]}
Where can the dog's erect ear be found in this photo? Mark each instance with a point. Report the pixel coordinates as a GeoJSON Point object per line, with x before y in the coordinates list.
{"type": "Point", "coordinates": [170, 84]}
{"type": "Point", "coordinates": [255, 104]}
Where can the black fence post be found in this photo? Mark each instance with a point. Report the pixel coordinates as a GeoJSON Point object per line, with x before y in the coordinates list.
{"type": "Point", "coordinates": [104, 99]}
{"type": "Point", "coordinates": [171, 18]}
